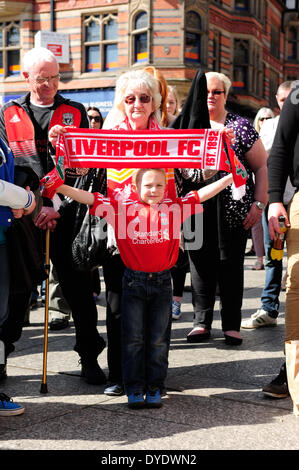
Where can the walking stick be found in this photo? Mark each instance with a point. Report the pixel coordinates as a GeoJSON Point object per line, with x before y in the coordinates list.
{"type": "Point", "coordinates": [44, 387]}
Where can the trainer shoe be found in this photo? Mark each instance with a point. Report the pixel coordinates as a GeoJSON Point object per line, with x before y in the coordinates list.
{"type": "Point", "coordinates": [136, 400]}
{"type": "Point", "coordinates": [153, 399]}
{"type": "Point", "coordinates": [278, 388]}
{"type": "Point", "coordinates": [259, 319]}
{"type": "Point", "coordinates": [114, 390]}
{"type": "Point", "coordinates": [176, 310]}
{"type": "Point", "coordinates": [8, 407]}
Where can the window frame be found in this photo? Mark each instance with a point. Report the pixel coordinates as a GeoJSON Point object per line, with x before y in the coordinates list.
{"type": "Point", "coordinates": [102, 18]}
{"type": "Point", "coordinates": [137, 32]}
{"type": "Point", "coordinates": [5, 49]}
{"type": "Point", "coordinates": [198, 32]}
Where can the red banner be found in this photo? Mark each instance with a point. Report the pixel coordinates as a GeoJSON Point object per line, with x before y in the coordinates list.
{"type": "Point", "coordinates": [167, 148]}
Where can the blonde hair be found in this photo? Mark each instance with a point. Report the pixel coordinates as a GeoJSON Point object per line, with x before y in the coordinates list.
{"type": "Point", "coordinates": [174, 91]}
{"type": "Point", "coordinates": [137, 174]}
{"type": "Point", "coordinates": [223, 78]}
{"type": "Point", "coordinates": [260, 113]}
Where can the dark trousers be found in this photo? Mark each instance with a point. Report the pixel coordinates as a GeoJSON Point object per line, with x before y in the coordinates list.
{"type": "Point", "coordinates": [146, 309]}
{"type": "Point", "coordinates": [76, 287]}
{"type": "Point", "coordinates": [113, 270]}
{"type": "Point", "coordinates": [207, 269]}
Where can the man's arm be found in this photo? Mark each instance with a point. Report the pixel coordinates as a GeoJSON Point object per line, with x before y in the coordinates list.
{"type": "Point", "coordinates": [281, 160]}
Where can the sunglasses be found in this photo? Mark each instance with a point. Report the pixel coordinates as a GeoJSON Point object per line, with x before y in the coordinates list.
{"type": "Point", "coordinates": [216, 92]}
{"type": "Point", "coordinates": [264, 118]}
{"type": "Point", "coordinates": [142, 98]}
{"type": "Point", "coordinates": [94, 118]}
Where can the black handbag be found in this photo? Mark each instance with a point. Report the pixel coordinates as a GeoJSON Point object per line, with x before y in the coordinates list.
{"type": "Point", "coordinates": [89, 246]}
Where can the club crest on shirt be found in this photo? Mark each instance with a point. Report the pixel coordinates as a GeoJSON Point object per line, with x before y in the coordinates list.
{"type": "Point", "coordinates": [68, 119]}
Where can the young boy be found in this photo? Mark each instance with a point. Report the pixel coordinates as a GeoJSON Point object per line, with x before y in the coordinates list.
{"type": "Point", "coordinates": [147, 233]}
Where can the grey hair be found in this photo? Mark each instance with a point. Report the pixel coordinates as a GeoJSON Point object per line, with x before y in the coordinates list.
{"type": "Point", "coordinates": [137, 78]}
{"type": "Point", "coordinates": [36, 55]}
{"type": "Point", "coordinates": [223, 78]}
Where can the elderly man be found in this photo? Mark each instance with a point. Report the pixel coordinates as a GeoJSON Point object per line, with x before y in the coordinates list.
{"type": "Point", "coordinates": [24, 125]}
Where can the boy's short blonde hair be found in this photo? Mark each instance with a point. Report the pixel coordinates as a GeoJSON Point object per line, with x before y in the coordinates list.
{"type": "Point", "coordinates": [137, 174]}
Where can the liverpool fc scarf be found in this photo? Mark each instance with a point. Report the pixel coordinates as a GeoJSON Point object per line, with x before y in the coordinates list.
{"type": "Point", "coordinates": [166, 148]}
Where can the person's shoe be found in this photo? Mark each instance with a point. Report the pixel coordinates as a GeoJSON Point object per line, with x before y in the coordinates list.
{"type": "Point", "coordinates": [232, 338]}
{"type": "Point", "coordinates": [114, 390]}
{"type": "Point", "coordinates": [59, 323]}
{"type": "Point", "coordinates": [198, 334]}
{"type": "Point", "coordinates": [92, 372]}
{"type": "Point", "coordinates": [278, 388]}
{"type": "Point", "coordinates": [3, 373]}
{"type": "Point", "coordinates": [136, 400]}
{"type": "Point", "coordinates": [8, 407]}
{"type": "Point", "coordinates": [259, 319]}
{"type": "Point", "coordinates": [258, 266]}
{"type": "Point", "coordinates": [153, 399]}
{"type": "Point", "coordinates": [176, 310]}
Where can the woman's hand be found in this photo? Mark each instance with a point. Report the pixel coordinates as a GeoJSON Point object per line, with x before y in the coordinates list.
{"type": "Point", "coordinates": [229, 134]}
{"type": "Point", "coordinates": [55, 131]}
{"type": "Point", "coordinates": [252, 217]}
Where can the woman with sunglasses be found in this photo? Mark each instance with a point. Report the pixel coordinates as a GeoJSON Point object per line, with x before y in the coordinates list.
{"type": "Point", "coordinates": [225, 225]}
{"type": "Point", "coordinates": [95, 117]}
{"type": "Point", "coordinates": [257, 230]}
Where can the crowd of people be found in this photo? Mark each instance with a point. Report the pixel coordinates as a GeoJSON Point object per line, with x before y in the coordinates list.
{"type": "Point", "coordinates": [143, 283]}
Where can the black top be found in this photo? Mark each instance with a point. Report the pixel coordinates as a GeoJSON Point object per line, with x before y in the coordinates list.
{"type": "Point", "coordinates": [283, 160]}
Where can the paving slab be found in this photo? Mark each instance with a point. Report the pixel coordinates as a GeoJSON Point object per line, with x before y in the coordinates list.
{"type": "Point", "coordinates": [214, 400]}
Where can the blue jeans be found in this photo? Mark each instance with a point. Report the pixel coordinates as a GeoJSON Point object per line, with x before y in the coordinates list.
{"type": "Point", "coordinates": [271, 290]}
{"type": "Point", "coordinates": [4, 284]}
{"type": "Point", "coordinates": [146, 322]}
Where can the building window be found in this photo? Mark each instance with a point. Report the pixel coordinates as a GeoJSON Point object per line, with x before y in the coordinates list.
{"type": "Point", "coordinates": [256, 85]}
{"type": "Point", "coordinates": [292, 43]}
{"type": "Point", "coordinates": [140, 38]}
{"type": "Point", "coordinates": [216, 51]}
{"type": "Point", "coordinates": [100, 42]}
{"type": "Point", "coordinates": [10, 44]}
{"type": "Point", "coordinates": [193, 37]}
{"type": "Point", "coordinates": [241, 59]}
{"type": "Point", "coordinates": [292, 5]}
{"type": "Point", "coordinates": [275, 39]}
{"type": "Point", "coordinates": [242, 5]}
{"type": "Point", "coordinates": [273, 85]}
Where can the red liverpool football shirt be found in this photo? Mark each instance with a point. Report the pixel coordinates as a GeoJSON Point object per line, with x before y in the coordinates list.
{"type": "Point", "coordinates": [147, 236]}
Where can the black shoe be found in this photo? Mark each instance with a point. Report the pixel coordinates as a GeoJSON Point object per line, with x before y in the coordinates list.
{"type": "Point", "coordinates": [92, 372]}
{"type": "Point", "coordinates": [59, 323]}
{"type": "Point", "coordinates": [278, 388]}
{"type": "Point", "coordinates": [3, 374]}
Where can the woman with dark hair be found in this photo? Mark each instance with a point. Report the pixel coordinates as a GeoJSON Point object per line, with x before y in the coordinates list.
{"type": "Point", "coordinates": [95, 117]}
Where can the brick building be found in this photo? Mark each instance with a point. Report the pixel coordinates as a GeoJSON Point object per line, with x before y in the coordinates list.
{"type": "Point", "coordinates": [254, 42]}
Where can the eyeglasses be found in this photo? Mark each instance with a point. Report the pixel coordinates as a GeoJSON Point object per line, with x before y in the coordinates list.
{"type": "Point", "coordinates": [265, 118]}
{"type": "Point", "coordinates": [42, 80]}
{"type": "Point", "coordinates": [216, 92]}
{"type": "Point", "coordinates": [94, 118]}
{"type": "Point", "coordinates": [142, 98]}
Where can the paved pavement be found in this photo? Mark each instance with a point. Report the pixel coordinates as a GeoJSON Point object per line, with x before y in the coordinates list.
{"type": "Point", "coordinates": [214, 399]}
